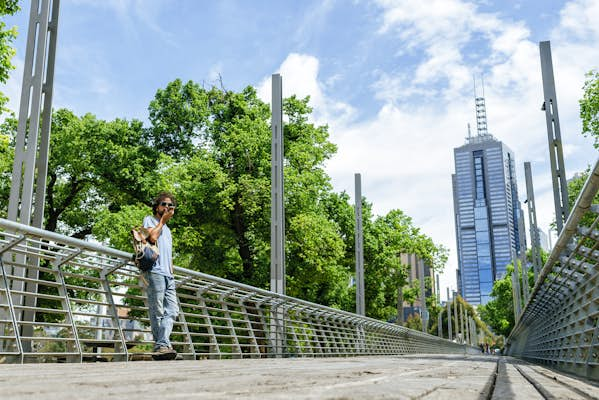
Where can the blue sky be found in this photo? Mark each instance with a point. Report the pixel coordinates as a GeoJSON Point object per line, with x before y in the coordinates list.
{"type": "Point", "coordinates": [392, 79]}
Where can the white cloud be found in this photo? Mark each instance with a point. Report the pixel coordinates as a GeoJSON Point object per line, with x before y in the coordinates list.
{"type": "Point", "coordinates": [405, 153]}
{"type": "Point", "coordinates": [299, 73]}
{"type": "Point", "coordinates": [578, 22]}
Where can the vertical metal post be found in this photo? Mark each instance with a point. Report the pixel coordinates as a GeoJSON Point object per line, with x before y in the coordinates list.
{"type": "Point", "coordinates": [516, 287]}
{"type": "Point", "coordinates": [277, 213]}
{"type": "Point", "coordinates": [423, 310]}
{"type": "Point", "coordinates": [532, 218]}
{"type": "Point", "coordinates": [120, 349]}
{"type": "Point", "coordinates": [44, 145]}
{"type": "Point", "coordinates": [26, 148]}
{"type": "Point", "coordinates": [360, 303]}
{"type": "Point", "coordinates": [450, 334]}
{"type": "Point", "coordinates": [31, 153]}
{"type": "Point", "coordinates": [455, 316]}
{"type": "Point", "coordinates": [556, 157]}
{"type": "Point", "coordinates": [66, 303]}
{"type": "Point", "coordinates": [32, 149]}
{"type": "Point", "coordinates": [4, 284]}
{"type": "Point", "coordinates": [462, 324]}
{"type": "Point", "coordinates": [467, 327]}
{"type": "Point", "coordinates": [522, 256]}
{"type": "Point", "coordinates": [440, 324]}
{"type": "Point", "coordinates": [400, 305]}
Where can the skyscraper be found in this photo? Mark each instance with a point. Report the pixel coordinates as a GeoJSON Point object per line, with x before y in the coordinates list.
{"type": "Point", "coordinates": [486, 208]}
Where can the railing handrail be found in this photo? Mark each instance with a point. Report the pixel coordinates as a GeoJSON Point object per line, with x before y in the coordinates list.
{"type": "Point", "coordinates": [559, 325]}
{"type": "Point", "coordinates": [581, 206]}
{"type": "Point", "coordinates": [37, 232]}
{"type": "Point", "coordinates": [218, 317]}
{"type": "Point", "coordinates": [17, 227]}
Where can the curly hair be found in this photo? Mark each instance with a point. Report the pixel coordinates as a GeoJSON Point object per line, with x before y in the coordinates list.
{"type": "Point", "coordinates": [161, 196]}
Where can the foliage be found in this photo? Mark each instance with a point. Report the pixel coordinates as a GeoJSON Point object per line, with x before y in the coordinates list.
{"type": "Point", "coordinates": [93, 166]}
{"type": "Point", "coordinates": [575, 186]}
{"type": "Point", "coordinates": [211, 148]}
{"type": "Point", "coordinates": [7, 128]}
{"type": "Point", "coordinates": [7, 36]}
{"type": "Point", "coordinates": [414, 322]}
{"type": "Point", "coordinates": [434, 309]}
{"type": "Point", "coordinates": [589, 107]}
{"type": "Point", "coordinates": [411, 293]}
{"type": "Point", "coordinates": [315, 271]}
{"type": "Point", "coordinates": [499, 312]}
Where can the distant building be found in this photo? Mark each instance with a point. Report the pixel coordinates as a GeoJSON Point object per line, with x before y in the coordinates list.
{"type": "Point", "coordinates": [486, 209]}
{"type": "Point", "coordinates": [544, 240]}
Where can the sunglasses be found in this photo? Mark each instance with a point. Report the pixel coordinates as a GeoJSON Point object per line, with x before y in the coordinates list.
{"type": "Point", "coordinates": [169, 205]}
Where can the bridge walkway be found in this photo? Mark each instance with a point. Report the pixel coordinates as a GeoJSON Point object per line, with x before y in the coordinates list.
{"type": "Point", "coordinates": [456, 377]}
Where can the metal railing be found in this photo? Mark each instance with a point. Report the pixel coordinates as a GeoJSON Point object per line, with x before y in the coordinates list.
{"type": "Point", "coordinates": [559, 326]}
{"type": "Point", "coordinates": [63, 299]}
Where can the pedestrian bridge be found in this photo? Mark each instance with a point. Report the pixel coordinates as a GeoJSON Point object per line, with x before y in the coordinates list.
{"type": "Point", "coordinates": [66, 300]}
{"type": "Point", "coordinates": [381, 377]}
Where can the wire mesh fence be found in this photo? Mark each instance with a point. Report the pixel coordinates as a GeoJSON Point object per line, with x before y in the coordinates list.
{"type": "Point", "coordinates": [559, 326]}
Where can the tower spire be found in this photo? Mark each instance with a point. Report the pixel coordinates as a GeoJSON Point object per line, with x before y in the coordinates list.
{"type": "Point", "coordinates": [481, 111]}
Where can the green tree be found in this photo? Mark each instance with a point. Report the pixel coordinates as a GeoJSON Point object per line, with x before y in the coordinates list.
{"type": "Point", "coordinates": [7, 36]}
{"type": "Point", "coordinates": [499, 312]}
{"type": "Point", "coordinates": [219, 169]}
{"type": "Point", "coordinates": [94, 167]}
{"type": "Point", "coordinates": [411, 293]}
{"type": "Point", "coordinates": [211, 148]}
{"type": "Point", "coordinates": [575, 186]}
{"type": "Point", "coordinates": [385, 239]}
{"type": "Point", "coordinates": [314, 266]}
{"type": "Point", "coordinates": [589, 107]}
{"type": "Point", "coordinates": [7, 151]}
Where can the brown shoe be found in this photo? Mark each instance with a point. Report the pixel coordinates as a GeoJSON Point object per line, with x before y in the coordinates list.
{"type": "Point", "coordinates": [164, 353]}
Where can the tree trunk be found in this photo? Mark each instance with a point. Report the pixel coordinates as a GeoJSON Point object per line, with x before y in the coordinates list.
{"type": "Point", "coordinates": [245, 251]}
{"type": "Point", "coordinates": [400, 320]}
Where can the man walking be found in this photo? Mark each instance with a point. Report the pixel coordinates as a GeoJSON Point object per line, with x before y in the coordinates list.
{"type": "Point", "coordinates": [162, 299]}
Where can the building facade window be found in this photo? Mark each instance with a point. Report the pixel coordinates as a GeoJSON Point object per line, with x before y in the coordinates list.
{"type": "Point", "coordinates": [486, 204]}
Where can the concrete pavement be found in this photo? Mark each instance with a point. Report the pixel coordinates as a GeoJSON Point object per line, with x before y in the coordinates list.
{"type": "Point", "coordinates": [391, 377]}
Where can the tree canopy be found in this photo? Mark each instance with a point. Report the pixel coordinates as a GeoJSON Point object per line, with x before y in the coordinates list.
{"type": "Point", "coordinates": [589, 107]}
{"type": "Point", "coordinates": [210, 147]}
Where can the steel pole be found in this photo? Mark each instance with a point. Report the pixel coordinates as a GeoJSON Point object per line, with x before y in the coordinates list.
{"type": "Point", "coordinates": [423, 310]}
{"type": "Point", "coordinates": [455, 316]}
{"type": "Point", "coordinates": [449, 332]}
{"type": "Point", "coordinates": [556, 157]}
{"type": "Point", "coordinates": [359, 245]}
{"type": "Point", "coordinates": [277, 214]}
{"type": "Point", "coordinates": [32, 148]}
{"type": "Point", "coordinates": [535, 245]}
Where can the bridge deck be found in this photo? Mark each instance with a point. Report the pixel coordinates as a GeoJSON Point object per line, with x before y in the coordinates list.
{"type": "Point", "coordinates": [393, 377]}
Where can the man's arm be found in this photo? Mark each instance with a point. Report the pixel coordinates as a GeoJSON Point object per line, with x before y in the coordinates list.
{"type": "Point", "coordinates": [157, 230]}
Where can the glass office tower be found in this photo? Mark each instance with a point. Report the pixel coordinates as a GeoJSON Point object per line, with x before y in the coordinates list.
{"type": "Point", "coordinates": [486, 207]}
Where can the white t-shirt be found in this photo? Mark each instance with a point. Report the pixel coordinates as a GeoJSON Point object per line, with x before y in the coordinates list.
{"type": "Point", "coordinates": [165, 247]}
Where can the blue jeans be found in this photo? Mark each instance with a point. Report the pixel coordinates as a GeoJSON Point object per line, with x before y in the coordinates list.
{"type": "Point", "coordinates": [162, 307]}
